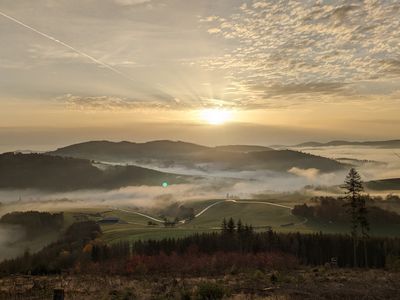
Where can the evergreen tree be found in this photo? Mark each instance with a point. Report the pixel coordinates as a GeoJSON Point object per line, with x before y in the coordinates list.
{"type": "Point", "coordinates": [364, 225]}
{"type": "Point", "coordinates": [224, 226]}
{"type": "Point", "coordinates": [231, 226]}
{"type": "Point", "coordinates": [353, 187]}
{"type": "Point", "coordinates": [239, 226]}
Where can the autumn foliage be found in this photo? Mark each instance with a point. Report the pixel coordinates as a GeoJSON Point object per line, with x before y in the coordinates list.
{"type": "Point", "coordinates": [206, 264]}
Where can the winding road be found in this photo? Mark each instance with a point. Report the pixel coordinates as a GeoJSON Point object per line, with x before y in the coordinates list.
{"type": "Point", "coordinates": [139, 214]}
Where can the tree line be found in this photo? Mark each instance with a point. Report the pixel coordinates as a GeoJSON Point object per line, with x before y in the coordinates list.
{"type": "Point", "coordinates": [81, 250]}
{"type": "Point", "coordinates": [35, 222]}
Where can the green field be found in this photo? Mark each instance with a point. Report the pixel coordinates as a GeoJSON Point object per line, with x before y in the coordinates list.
{"type": "Point", "coordinates": [250, 213]}
{"type": "Point", "coordinates": [134, 227]}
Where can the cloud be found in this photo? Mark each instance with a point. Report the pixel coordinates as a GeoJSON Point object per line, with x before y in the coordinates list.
{"type": "Point", "coordinates": [115, 103]}
{"type": "Point", "coordinates": [131, 2]}
{"type": "Point", "coordinates": [214, 30]}
{"type": "Point", "coordinates": [304, 88]}
{"type": "Point", "coordinates": [281, 48]}
{"type": "Point", "coordinates": [9, 64]}
{"type": "Point", "coordinates": [255, 54]}
{"type": "Point", "coordinates": [42, 52]}
{"type": "Point", "coordinates": [95, 102]}
{"type": "Point", "coordinates": [392, 66]}
{"type": "Point", "coordinates": [50, 53]}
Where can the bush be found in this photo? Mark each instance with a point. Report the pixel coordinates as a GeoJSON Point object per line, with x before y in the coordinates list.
{"type": "Point", "coordinates": [274, 278]}
{"type": "Point", "coordinates": [184, 294]}
{"type": "Point", "coordinates": [122, 295]}
{"type": "Point", "coordinates": [393, 262]}
{"type": "Point", "coordinates": [258, 275]}
{"type": "Point", "coordinates": [210, 291]}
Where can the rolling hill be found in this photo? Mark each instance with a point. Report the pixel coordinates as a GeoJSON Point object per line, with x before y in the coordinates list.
{"type": "Point", "coordinates": [117, 151]}
{"type": "Point", "coordinates": [46, 172]}
{"type": "Point", "coordinates": [170, 153]}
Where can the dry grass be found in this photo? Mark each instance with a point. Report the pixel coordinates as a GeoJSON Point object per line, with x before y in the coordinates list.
{"type": "Point", "coordinates": [318, 283]}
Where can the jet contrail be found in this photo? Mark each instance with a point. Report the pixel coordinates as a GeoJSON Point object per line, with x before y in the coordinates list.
{"type": "Point", "coordinates": [95, 60]}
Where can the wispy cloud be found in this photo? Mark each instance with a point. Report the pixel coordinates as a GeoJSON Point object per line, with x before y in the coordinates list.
{"type": "Point", "coordinates": [41, 52]}
{"type": "Point", "coordinates": [115, 103]}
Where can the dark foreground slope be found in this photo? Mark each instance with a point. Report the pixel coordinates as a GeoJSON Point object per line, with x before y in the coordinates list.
{"type": "Point", "coordinates": [46, 172]}
{"type": "Point", "coordinates": [169, 153]}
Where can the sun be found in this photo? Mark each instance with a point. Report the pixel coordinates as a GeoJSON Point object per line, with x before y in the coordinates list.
{"type": "Point", "coordinates": [215, 116]}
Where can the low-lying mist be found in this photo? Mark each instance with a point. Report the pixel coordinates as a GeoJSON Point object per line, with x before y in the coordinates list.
{"type": "Point", "coordinates": [373, 163]}
{"type": "Point", "coordinates": [213, 184]}
{"type": "Point", "coordinates": [9, 238]}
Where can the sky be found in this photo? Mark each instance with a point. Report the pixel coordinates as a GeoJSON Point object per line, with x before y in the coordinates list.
{"type": "Point", "coordinates": [210, 71]}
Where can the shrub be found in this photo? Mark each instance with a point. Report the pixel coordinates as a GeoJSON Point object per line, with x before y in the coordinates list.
{"type": "Point", "coordinates": [393, 262]}
{"type": "Point", "coordinates": [210, 291]}
{"type": "Point", "coordinates": [184, 294]}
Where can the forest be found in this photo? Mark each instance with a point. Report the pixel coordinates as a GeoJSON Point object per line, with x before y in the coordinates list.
{"type": "Point", "coordinates": [54, 173]}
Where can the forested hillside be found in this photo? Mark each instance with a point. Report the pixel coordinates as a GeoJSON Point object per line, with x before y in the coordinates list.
{"type": "Point", "coordinates": [47, 172]}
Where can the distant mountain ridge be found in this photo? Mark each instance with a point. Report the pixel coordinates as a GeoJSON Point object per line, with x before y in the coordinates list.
{"type": "Point", "coordinates": [380, 144]}
{"type": "Point", "coordinates": [172, 153]}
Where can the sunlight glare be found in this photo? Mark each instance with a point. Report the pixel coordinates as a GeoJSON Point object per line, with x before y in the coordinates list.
{"type": "Point", "coordinates": [215, 116]}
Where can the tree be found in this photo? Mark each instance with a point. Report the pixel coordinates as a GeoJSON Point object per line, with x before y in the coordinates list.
{"type": "Point", "coordinates": [239, 226]}
{"type": "Point", "coordinates": [364, 225]}
{"type": "Point", "coordinates": [353, 186]}
{"type": "Point", "coordinates": [231, 226]}
{"type": "Point", "coordinates": [224, 226]}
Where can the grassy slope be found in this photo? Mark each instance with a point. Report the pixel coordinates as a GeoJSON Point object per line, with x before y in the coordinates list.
{"type": "Point", "coordinates": [258, 215]}
{"type": "Point", "coordinates": [255, 214]}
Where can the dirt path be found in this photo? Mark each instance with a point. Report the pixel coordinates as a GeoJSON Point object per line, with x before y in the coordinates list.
{"type": "Point", "coordinates": [139, 214]}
